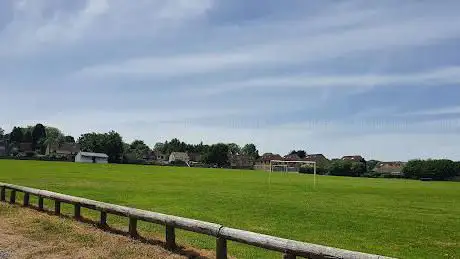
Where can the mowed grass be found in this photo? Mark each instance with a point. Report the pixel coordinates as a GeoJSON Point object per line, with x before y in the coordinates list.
{"type": "Point", "coordinates": [399, 218]}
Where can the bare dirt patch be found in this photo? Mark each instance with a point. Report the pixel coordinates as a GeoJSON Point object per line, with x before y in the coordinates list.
{"type": "Point", "coordinates": [26, 233]}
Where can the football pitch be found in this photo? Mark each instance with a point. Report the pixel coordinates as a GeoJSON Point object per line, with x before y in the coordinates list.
{"type": "Point", "coordinates": [392, 217]}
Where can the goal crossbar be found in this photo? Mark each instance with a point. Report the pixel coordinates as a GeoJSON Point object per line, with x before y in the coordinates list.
{"type": "Point", "coordinates": [292, 161]}
{"type": "Point", "coordinates": [283, 163]}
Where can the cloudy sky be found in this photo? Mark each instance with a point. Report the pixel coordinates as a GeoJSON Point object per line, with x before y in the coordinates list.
{"type": "Point", "coordinates": [377, 78]}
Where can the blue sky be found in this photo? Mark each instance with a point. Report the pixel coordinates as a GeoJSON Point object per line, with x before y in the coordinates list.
{"type": "Point", "coordinates": [377, 78]}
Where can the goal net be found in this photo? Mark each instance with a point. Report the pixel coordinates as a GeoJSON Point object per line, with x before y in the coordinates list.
{"type": "Point", "coordinates": [290, 166]}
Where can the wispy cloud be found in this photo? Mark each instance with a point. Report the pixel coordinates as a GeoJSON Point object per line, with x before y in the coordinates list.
{"type": "Point", "coordinates": [376, 78]}
{"type": "Point", "coordinates": [437, 111]}
{"type": "Point", "coordinates": [34, 29]}
{"type": "Point", "coordinates": [448, 75]}
{"type": "Point", "coordinates": [312, 47]}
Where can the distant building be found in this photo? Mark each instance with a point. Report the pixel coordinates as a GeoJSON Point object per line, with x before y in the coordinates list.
{"type": "Point", "coordinates": [390, 168]}
{"type": "Point", "coordinates": [318, 158]}
{"type": "Point", "coordinates": [291, 157]}
{"type": "Point", "coordinates": [263, 163]}
{"type": "Point", "coordinates": [354, 158]}
{"type": "Point", "coordinates": [195, 157]}
{"type": "Point", "coordinates": [64, 149]}
{"type": "Point", "coordinates": [89, 157]}
{"type": "Point", "coordinates": [179, 156]}
{"type": "Point", "coordinates": [241, 161]}
{"type": "Point", "coordinates": [161, 157]}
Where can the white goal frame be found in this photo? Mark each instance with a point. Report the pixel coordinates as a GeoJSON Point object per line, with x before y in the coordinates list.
{"type": "Point", "coordinates": [284, 163]}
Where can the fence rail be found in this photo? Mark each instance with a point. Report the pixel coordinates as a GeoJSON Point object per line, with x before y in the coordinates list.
{"type": "Point", "coordinates": [289, 248]}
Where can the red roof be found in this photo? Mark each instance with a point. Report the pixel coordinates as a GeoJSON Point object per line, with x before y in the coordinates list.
{"type": "Point", "coordinates": [292, 157]}
{"type": "Point", "coordinates": [271, 156]}
{"type": "Point", "coordinates": [315, 157]}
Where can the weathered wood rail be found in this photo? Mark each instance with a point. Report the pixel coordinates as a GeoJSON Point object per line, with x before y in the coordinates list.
{"type": "Point", "coordinates": [289, 248]}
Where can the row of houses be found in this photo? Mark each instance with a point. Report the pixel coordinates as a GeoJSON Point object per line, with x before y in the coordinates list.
{"type": "Point", "coordinates": [393, 168]}
{"type": "Point", "coordinates": [72, 150]}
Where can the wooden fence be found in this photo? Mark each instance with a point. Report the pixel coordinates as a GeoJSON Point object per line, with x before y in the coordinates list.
{"type": "Point", "coordinates": [289, 248]}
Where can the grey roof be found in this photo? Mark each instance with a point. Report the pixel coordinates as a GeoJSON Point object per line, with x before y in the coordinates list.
{"type": "Point", "coordinates": [94, 154]}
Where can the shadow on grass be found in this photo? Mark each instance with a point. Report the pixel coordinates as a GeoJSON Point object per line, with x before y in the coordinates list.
{"type": "Point", "coordinates": [179, 250]}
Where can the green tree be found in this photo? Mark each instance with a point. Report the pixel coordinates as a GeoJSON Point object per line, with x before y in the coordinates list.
{"type": "Point", "coordinates": [413, 169]}
{"type": "Point", "coordinates": [371, 164]}
{"type": "Point", "coordinates": [16, 135]}
{"type": "Point", "coordinates": [113, 146]}
{"type": "Point", "coordinates": [2, 132]}
{"type": "Point", "coordinates": [53, 137]}
{"type": "Point", "coordinates": [301, 153]}
{"type": "Point", "coordinates": [138, 149]}
{"type": "Point", "coordinates": [347, 168]}
{"type": "Point", "coordinates": [110, 143]}
{"type": "Point", "coordinates": [159, 147]}
{"type": "Point", "coordinates": [92, 142]}
{"type": "Point", "coordinates": [457, 168]}
{"type": "Point", "coordinates": [27, 137]}
{"type": "Point", "coordinates": [217, 155]}
{"type": "Point", "coordinates": [38, 136]}
{"type": "Point", "coordinates": [250, 150]}
{"type": "Point", "coordinates": [69, 139]}
{"type": "Point", "coordinates": [437, 169]}
{"type": "Point", "coordinates": [234, 149]}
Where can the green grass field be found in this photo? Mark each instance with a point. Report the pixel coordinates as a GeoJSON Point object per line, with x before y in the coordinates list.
{"type": "Point", "coordinates": [400, 218]}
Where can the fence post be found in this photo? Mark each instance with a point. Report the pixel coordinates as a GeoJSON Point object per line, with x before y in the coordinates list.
{"type": "Point", "coordinates": [26, 199]}
{"type": "Point", "coordinates": [133, 227]}
{"type": "Point", "coordinates": [40, 203]}
{"type": "Point", "coordinates": [2, 193]}
{"type": "Point", "coordinates": [57, 207]}
{"type": "Point", "coordinates": [221, 248]}
{"type": "Point", "coordinates": [77, 211]}
{"type": "Point", "coordinates": [170, 237]}
{"type": "Point", "coordinates": [103, 219]}
{"type": "Point", "coordinates": [13, 197]}
{"type": "Point", "coordinates": [289, 256]}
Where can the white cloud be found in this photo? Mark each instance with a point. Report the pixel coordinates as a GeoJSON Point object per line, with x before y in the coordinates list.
{"type": "Point", "coordinates": [170, 66]}
{"type": "Point", "coordinates": [34, 29]}
{"type": "Point", "coordinates": [438, 111]}
{"type": "Point", "coordinates": [70, 27]}
{"type": "Point", "coordinates": [207, 50]}
{"type": "Point", "coordinates": [311, 47]}
{"type": "Point", "coordinates": [389, 146]}
{"type": "Point", "coordinates": [447, 75]}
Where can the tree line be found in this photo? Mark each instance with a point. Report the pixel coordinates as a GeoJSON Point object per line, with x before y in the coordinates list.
{"type": "Point", "coordinates": [118, 151]}
{"type": "Point", "coordinates": [38, 136]}
{"type": "Point", "coordinates": [436, 169]}
{"type": "Point", "coordinates": [339, 167]}
{"type": "Point", "coordinates": [430, 169]}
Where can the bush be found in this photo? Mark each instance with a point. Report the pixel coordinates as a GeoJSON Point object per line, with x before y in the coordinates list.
{"type": "Point", "coordinates": [347, 168]}
{"type": "Point", "coordinates": [309, 170]}
{"type": "Point", "coordinates": [436, 169]}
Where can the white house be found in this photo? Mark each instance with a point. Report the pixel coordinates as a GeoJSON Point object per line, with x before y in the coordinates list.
{"type": "Point", "coordinates": [88, 157]}
{"type": "Point", "coordinates": [179, 156]}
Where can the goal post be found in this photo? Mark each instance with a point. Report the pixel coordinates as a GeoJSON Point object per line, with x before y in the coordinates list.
{"type": "Point", "coordinates": [285, 164]}
{"type": "Point", "coordinates": [284, 168]}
